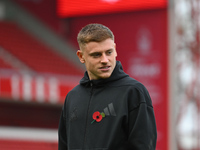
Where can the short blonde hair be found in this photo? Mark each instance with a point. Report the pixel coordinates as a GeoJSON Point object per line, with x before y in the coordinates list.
{"type": "Point", "coordinates": [94, 33]}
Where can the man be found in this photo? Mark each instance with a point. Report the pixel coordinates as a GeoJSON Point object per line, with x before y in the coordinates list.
{"type": "Point", "coordinates": [108, 110]}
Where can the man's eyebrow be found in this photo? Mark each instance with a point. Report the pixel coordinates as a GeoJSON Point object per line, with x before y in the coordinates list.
{"type": "Point", "coordinates": [92, 53]}
{"type": "Point", "coordinates": [111, 49]}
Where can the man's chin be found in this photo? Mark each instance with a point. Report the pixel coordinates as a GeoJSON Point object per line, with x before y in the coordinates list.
{"type": "Point", "coordinates": [105, 76]}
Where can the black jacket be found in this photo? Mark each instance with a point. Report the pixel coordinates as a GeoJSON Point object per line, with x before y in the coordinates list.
{"type": "Point", "coordinates": [129, 122]}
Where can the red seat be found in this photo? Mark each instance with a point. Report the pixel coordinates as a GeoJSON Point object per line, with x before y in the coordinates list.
{"type": "Point", "coordinates": [33, 52]}
{"type": "Point", "coordinates": [5, 65]}
{"type": "Point", "coordinates": [27, 145]}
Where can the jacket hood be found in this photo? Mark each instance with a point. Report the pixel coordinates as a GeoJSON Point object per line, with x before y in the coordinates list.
{"type": "Point", "coordinates": [117, 74]}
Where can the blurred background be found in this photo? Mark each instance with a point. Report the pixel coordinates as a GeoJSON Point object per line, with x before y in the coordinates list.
{"type": "Point", "coordinates": [158, 43]}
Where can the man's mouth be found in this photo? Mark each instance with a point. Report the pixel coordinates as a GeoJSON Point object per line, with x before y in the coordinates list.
{"type": "Point", "coordinates": [105, 68]}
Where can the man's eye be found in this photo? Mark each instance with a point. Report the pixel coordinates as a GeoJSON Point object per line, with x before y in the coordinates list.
{"type": "Point", "coordinates": [96, 55]}
{"type": "Point", "coordinates": [109, 52]}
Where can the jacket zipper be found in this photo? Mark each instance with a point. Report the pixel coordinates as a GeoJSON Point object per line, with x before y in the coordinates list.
{"type": "Point", "coordinates": [87, 117]}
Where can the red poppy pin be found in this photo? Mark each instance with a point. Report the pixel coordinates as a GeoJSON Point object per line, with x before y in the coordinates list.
{"type": "Point", "coordinates": [97, 116]}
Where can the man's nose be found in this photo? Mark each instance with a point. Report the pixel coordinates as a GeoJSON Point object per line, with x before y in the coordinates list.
{"type": "Point", "coordinates": [104, 59]}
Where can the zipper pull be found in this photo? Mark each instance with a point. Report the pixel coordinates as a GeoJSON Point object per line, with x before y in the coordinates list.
{"type": "Point", "coordinates": [91, 84]}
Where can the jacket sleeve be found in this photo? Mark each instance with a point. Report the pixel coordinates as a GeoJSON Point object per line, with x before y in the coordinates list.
{"type": "Point", "coordinates": [62, 138]}
{"type": "Point", "coordinates": [142, 124]}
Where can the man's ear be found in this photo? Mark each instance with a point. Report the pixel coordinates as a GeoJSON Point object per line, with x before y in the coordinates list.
{"type": "Point", "coordinates": [79, 53]}
{"type": "Point", "coordinates": [115, 51]}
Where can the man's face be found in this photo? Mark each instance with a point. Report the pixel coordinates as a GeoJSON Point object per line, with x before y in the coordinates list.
{"type": "Point", "coordinates": [99, 58]}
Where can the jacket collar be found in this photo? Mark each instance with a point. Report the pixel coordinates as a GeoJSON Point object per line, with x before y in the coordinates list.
{"type": "Point", "coordinates": [117, 74]}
